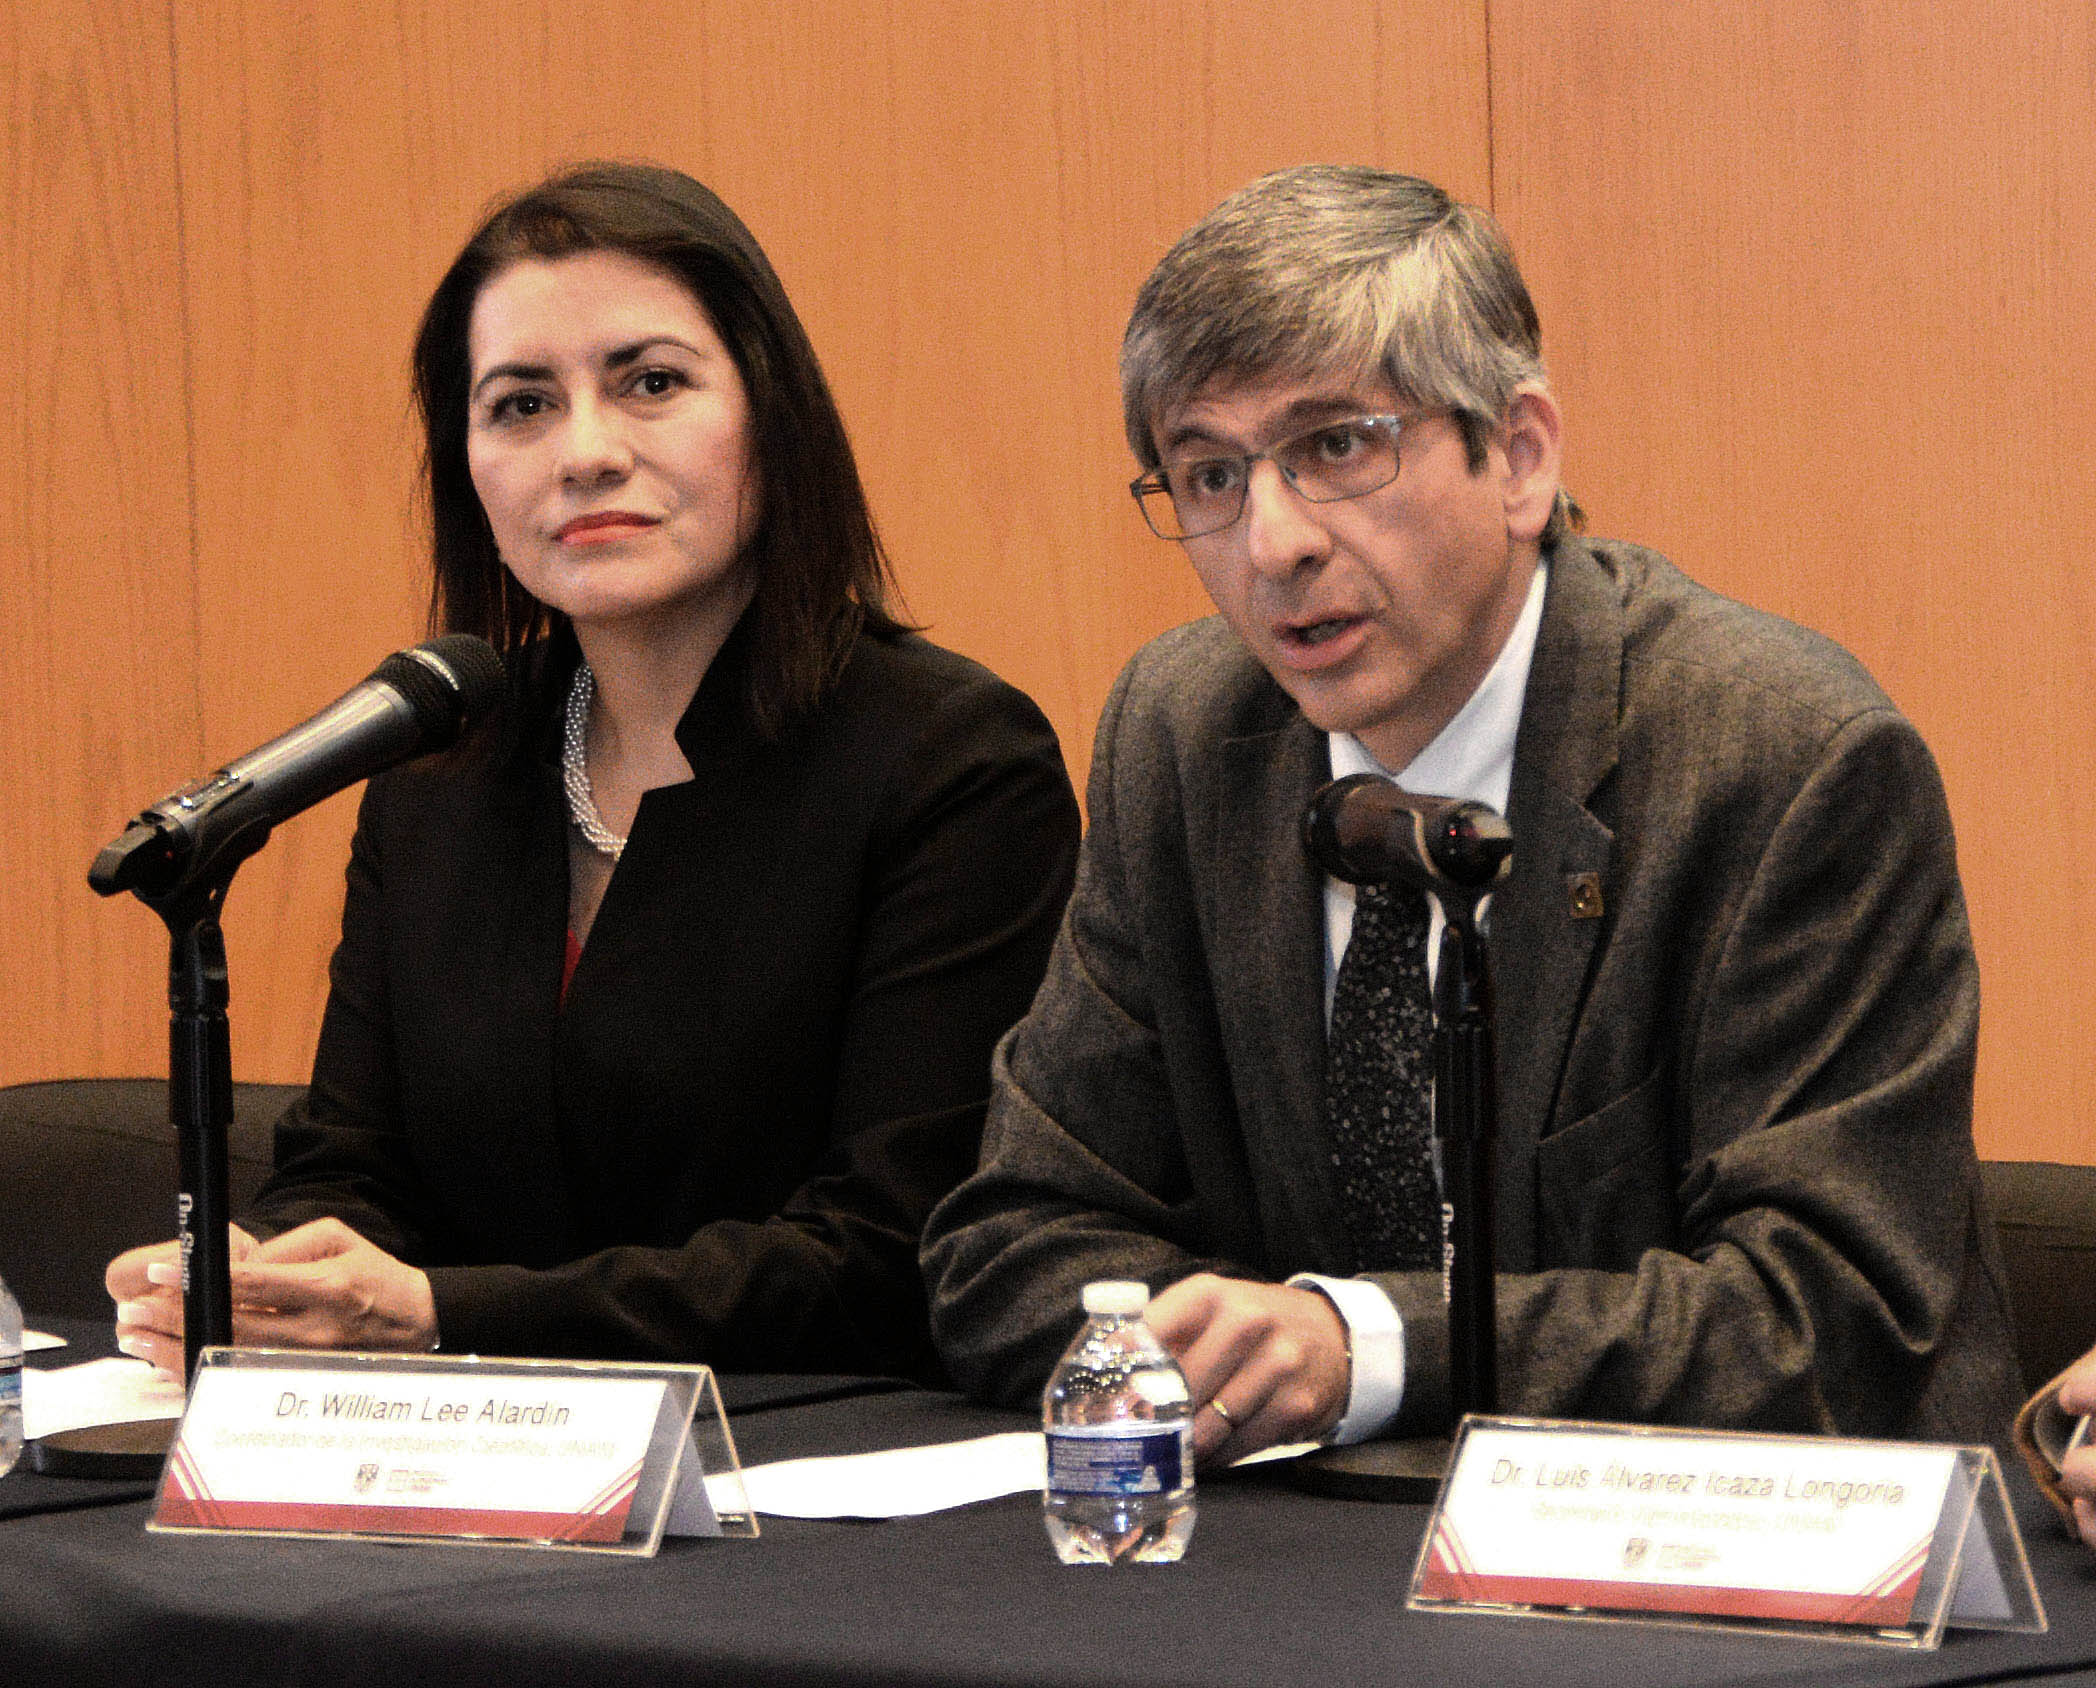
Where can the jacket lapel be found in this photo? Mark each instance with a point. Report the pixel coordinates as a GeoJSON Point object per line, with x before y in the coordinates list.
{"type": "Point", "coordinates": [530, 1061]}
{"type": "Point", "coordinates": [495, 993]}
{"type": "Point", "coordinates": [1267, 904]}
{"type": "Point", "coordinates": [1547, 922]}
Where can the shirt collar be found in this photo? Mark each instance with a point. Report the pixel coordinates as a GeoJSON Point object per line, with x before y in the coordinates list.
{"type": "Point", "coordinates": [1473, 756]}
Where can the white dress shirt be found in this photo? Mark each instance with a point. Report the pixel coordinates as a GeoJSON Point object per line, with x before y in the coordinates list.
{"type": "Point", "coordinates": [1471, 758]}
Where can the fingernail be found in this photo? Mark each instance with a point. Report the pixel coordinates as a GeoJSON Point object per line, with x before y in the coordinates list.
{"type": "Point", "coordinates": [135, 1346]}
{"type": "Point", "coordinates": [163, 1272]}
{"type": "Point", "coordinates": [131, 1312]}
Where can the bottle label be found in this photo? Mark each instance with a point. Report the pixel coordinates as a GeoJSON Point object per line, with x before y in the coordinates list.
{"type": "Point", "coordinates": [10, 1382]}
{"type": "Point", "coordinates": [1120, 1459]}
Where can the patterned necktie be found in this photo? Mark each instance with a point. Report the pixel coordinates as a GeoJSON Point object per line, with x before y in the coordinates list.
{"type": "Point", "coordinates": [1379, 1069]}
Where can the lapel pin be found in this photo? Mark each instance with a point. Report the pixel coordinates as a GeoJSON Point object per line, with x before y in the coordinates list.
{"type": "Point", "coordinates": [1585, 889]}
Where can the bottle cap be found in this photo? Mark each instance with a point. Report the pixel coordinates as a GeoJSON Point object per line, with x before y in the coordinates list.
{"type": "Point", "coordinates": [1116, 1298]}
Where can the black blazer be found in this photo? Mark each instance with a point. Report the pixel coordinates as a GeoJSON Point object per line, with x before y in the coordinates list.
{"type": "Point", "coordinates": [774, 1055]}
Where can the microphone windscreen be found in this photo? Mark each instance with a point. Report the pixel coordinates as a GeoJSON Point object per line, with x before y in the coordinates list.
{"type": "Point", "coordinates": [1367, 830]}
{"type": "Point", "coordinates": [447, 683]}
{"type": "Point", "coordinates": [1334, 837]}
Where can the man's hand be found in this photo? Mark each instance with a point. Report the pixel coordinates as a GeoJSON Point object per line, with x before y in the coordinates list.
{"type": "Point", "coordinates": [1266, 1364]}
{"type": "Point", "coordinates": [320, 1286]}
{"type": "Point", "coordinates": [2078, 1473]}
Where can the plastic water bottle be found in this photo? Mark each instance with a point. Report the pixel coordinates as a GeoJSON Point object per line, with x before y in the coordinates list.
{"type": "Point", "coordinates": [10, 1381]}
{"type": "Point", "coordinates": [1120, 1440]}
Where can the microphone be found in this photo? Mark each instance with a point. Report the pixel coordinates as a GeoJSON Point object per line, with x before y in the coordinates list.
{"type": "Point", "coordinates": [1370, 832]}
{"type": "Point", "coordinates": [417, 700]}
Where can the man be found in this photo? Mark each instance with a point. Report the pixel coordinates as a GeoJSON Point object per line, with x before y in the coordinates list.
{"type": "Point", "coordinates": [1737, 997]}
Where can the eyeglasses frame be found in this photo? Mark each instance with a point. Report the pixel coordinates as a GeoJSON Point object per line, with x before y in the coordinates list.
{"type": "Point", "coordinates": [1154, 480]}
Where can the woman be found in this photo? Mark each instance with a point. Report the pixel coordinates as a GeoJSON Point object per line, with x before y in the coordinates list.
{"type": "Point", "coordinates": [663, 1014]}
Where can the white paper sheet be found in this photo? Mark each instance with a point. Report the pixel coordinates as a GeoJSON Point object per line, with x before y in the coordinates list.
{"type": "Point", "coordinates": [33, 1340]}
{"type": "Point", "coordinates": [908, 1482]}
{"type": "Point", "coordinates": [900, 1482]}
{"type": "Point", "coordinates": [113, 1391]}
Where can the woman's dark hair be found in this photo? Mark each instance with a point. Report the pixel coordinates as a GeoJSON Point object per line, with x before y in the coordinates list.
{"type": "Point", "coordinates": [820, 572]}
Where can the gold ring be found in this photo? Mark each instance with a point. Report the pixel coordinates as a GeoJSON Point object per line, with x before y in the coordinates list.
{"type": "Point", "coordinates": [1222, 1412]}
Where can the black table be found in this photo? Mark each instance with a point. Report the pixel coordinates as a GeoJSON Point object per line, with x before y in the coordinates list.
{"type": "Point", "coordinates": [1279, 1588]}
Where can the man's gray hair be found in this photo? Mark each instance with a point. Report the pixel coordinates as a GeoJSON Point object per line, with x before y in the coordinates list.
{"type": "Point", "coordinates": [1338, 270]}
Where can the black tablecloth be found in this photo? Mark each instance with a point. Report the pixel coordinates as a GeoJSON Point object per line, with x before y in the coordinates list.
{"type": "Point", "coordinates": [24, 1491]}
{"type": "Point", "coordinates": [1279, 1588]}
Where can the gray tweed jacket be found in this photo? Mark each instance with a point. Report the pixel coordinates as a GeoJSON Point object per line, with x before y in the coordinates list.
{"type": "Point", "coordinates": [1737, 1184]}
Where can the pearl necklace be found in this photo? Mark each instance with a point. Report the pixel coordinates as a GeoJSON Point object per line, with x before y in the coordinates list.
{"type": "Point", "coordinates": [574, 769]}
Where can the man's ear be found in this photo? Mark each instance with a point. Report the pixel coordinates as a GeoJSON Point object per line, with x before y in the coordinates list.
{"type": "Point", "coordinates": [1534, 444]}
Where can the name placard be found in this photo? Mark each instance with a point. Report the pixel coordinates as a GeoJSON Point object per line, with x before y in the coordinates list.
{"type": "Point", "coordinates": [1863, 1540]}
{"type": "Point", "coordinates": [448, 1448]}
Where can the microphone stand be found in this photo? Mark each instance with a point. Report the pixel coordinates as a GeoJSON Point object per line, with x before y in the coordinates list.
{"type": "Point", "coordinates": [1374, 845]}
{"type": "Point", "coordinates": [200, 1107]}
{"type": "Point", "coordinates": [1466, 1126]}
{"type": "Point", "coordinates": [200, 1053]}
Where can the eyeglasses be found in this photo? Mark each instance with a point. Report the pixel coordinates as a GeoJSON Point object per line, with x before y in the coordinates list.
{"type": "Point", "coordinates": [1333, 461]}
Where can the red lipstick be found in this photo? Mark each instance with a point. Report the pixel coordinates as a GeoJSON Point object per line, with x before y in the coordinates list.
{"type": "Point", "coordinates": [603, 525]}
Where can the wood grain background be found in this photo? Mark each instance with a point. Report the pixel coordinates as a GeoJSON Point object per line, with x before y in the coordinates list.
{"type": "Point", "coordinates": [1814, 278]}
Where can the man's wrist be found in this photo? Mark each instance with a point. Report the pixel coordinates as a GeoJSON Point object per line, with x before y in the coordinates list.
{"type": "Point", "coordinates": [1375, 1338]}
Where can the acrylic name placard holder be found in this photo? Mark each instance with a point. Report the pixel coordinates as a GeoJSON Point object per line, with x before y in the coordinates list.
{"type": "Point", "coordinates": [602, 1457]}
{"type": "Point", "coordinates": [1881, 1542]}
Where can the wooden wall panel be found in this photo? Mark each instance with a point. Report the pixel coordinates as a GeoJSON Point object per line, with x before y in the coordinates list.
{"type": "Point", "coordinates": [308, 238]}
{"type": "Point", "coordinates": [961, 197]}
{"type": "Point", "coordinates": [1816, 284]}
{"type": "Point", "coordinates": [98, 627]}
{"type": "Point", "coordinates": [1812, 279]}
